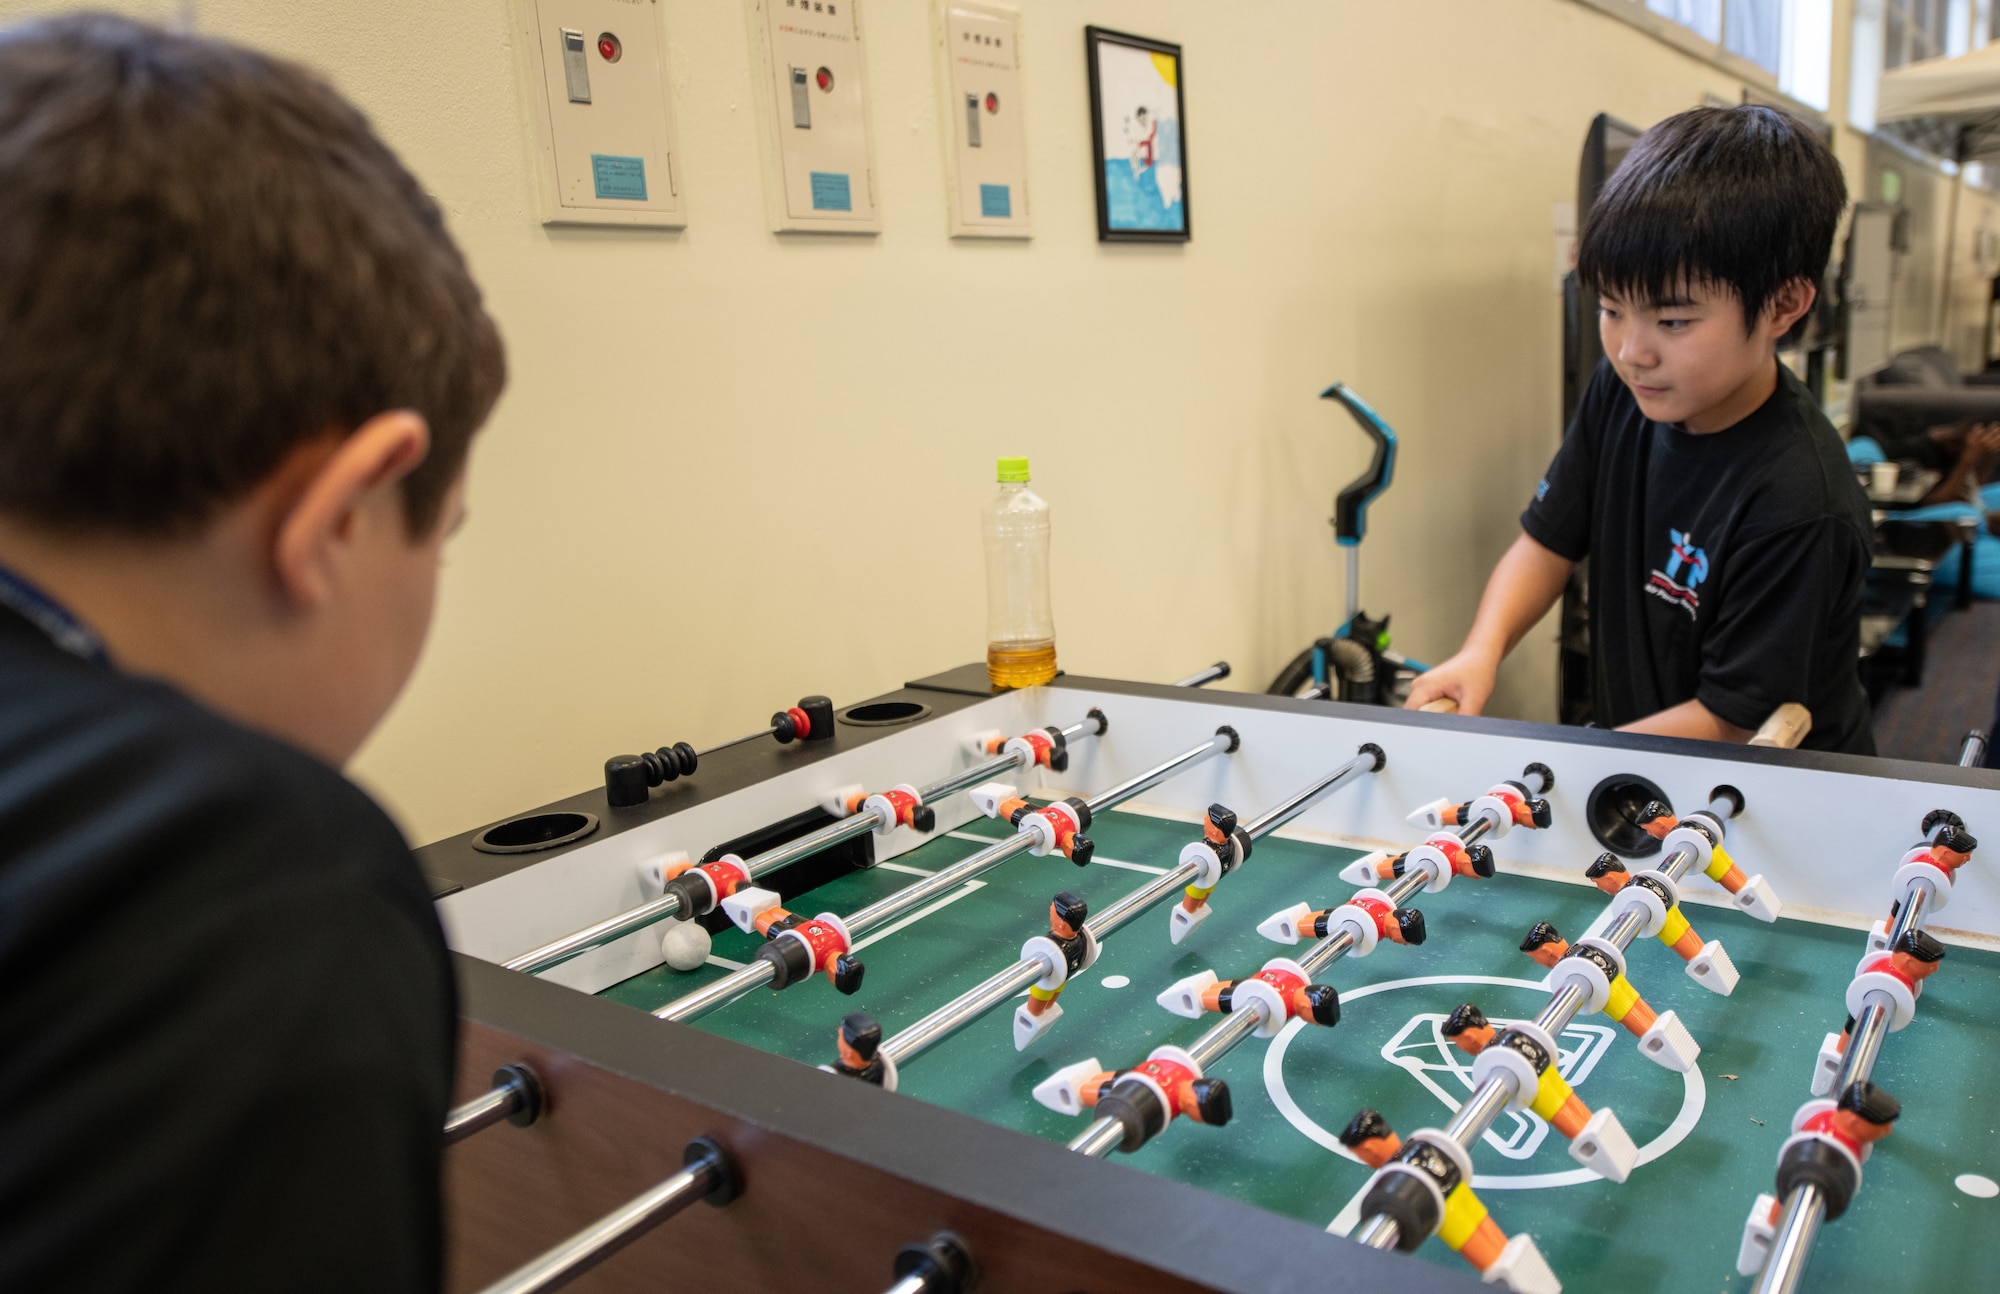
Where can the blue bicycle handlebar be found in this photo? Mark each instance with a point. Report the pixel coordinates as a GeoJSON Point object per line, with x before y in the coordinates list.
{"type": "Point", "coordinates": [1350, 506]}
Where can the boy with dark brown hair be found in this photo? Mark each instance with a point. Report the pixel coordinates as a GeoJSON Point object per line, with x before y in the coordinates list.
{"type": "Point", "coordinates": [241, 364]}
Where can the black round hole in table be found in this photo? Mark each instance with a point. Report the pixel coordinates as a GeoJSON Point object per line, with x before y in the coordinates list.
{"type": "Point", "coordinates": [1613, 812]}
{"type": "Point", "coordinates": [534, 832]}
{"type": "Point", "coordinates": [883, 714]}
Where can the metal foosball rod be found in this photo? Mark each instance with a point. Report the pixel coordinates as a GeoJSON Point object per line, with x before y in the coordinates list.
{"type": "Point", "coordinates": [1044, 959]}
{"type": "Point", "coordinates": [1503, 1083]}
{"type": "Point", "coordinates": [1201, 679]}
{"type": "Point", "coordinates": [516, 1096]}
{"type": "Point", "coordinates": [1819, 1166]}
{"type": "Point", "coordinates": [940, 1265]}
{"type": "Point", "coordinates": [709, 1175]}
{"type": "Point", "coordinates": [1142, 1103]}
{"type": "Point", "coordinates": [682, 900]}
{"type": "Point", "coordinates": [794, 953]}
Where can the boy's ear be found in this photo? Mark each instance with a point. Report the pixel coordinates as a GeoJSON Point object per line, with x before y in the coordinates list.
{"type": "Point", "coordinates": [1792, 302]}
{"type": "Point", "coordinates": [346, 492]}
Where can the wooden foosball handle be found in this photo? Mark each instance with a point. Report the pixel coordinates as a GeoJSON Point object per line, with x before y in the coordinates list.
{"type": "Point", "coordinates": [1445, 705]}
{"type": "Point", "coordinates": [1787, 727]}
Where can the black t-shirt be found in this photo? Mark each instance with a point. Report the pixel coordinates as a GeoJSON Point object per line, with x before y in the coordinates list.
{"type": "Point", "coordinates": [1726, 568]}
{"type": "Point", "coordinates": [227, 1017]}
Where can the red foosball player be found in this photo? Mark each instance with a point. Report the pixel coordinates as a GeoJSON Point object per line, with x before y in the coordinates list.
{"type": "Point", "coordinates": [796, 946]}
{"type": "Point", "coordinates": [1949, 848]}
{"type": "Point", "coordinates": [1282, 988]}
{"type": "Point", "coordinates": [1221, 850]}
{"type": "Point", "coordinates": [1526, 810]}
{"type": "Point", "coordinates": [1830, 1141]}
{"type": "Point", "coordinates": [1367, 917]}
{"type": "Point", "coordinates": [1044, 746]}
{"type": "Point", "coordinates": [1058, 826]}
{"type": "Point", "coordinates": [1597, 1140]}
{"type": "Point", "coordinates": [1899, 974]}
{"type": "Point", "coordinates": [1144, 1100]}
{"type": "Point", "coordinates": [1476, 860]}
{"type": "Point", "coordinates": [899, 806]}
{"type": "Point", "coordinates": [1070, 948]}
{"type": "Point", "coordinates": [1863, 1116]}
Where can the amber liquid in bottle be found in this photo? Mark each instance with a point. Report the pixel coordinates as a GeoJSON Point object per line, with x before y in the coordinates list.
{"type": "Point", "coordinates": [1021, 664]}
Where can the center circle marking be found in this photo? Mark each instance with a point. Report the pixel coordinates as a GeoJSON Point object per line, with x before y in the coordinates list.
{"type": "Point", "coordinates": [1693, 1100]}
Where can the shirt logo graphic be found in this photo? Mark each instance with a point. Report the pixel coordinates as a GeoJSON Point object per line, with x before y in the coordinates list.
{"type": "Point", "coordinates": [1687, 567]}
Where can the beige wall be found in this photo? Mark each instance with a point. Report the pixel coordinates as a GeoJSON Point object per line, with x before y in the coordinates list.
{"type": "Point", "coordinates": [733, 467]}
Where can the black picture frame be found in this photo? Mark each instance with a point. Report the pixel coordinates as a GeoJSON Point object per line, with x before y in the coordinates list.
{"type": "Point", "coordinates": [1119, 220]}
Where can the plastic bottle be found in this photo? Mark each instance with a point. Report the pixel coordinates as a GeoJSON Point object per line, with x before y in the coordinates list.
{"type": "Point", "coordinates": [1020, 629]}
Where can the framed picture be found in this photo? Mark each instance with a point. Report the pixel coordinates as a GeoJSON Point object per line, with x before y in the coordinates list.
{"type": "Point", "coordinates": [1138, 138]}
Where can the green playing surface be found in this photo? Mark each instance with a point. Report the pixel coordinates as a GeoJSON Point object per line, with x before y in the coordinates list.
{"type": "Point", "coordinates": [1675, 1225]}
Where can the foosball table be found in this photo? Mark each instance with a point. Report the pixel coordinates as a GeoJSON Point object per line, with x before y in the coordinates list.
{"type": "Point", "coordinates": [1116, 986]}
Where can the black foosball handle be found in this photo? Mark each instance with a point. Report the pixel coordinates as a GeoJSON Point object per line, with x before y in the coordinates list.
{"type": "Point", "coordinates": [629, 779]}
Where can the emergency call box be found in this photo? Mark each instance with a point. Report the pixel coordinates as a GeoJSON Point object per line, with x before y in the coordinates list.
{"type": "Point", "coordinates": [606, 145]}
{"type": "Point", "coordinates": [986, 146]}
{"type": "Point", "coordinates": [813, 113]}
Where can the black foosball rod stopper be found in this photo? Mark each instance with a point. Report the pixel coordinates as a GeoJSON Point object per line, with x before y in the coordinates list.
{"type": "Point", "coordinates": [940, 1265]}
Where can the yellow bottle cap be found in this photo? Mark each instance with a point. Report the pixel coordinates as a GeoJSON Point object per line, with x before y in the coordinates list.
{"type": "Point", "coordinates": [1013, 469]}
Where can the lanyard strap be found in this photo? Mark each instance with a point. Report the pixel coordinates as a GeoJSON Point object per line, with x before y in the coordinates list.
{"type": "Point", "coordinates": [52, 618]}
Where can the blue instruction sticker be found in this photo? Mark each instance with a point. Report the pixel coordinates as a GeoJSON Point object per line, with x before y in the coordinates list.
{"type": "Point", "coordinates": [619, 177]}
{"type": "Point", "coordinates": [830, 192]}
{"type": "Point", "coordinates": [996, 202]}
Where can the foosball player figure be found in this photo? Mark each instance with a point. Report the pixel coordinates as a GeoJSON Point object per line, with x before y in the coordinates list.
{"type": "Point", "coordinates": [1144, 1099]}
{"type": "Point", "coordinates": [1752, 893]}
{"type": "Point", "coordinates": [1397, 925]}
{"type": "Point", "coordinates": [1075, 947]}
{"type": "Point", "coordinates": [796, 946]}
{"type": "Point", "coordinates": [1467, 1228]}
{"type": "Point", "coordinates": [859, 1043]}
{"type": "Point", "coordinates": [1060, 825]}
{"type": "Point", "coordinates": [1282, 987]}
{"type": "Point", "coordinates": [1610, 875]}
{"type": "Point", "coordinates": [1476, 860]}
{"type": "Point", "coordinates": [1599, 969]}
{"type": "Point", "coordinates": [1526, 810]}
{"type": "Point", "coordinates": [1222, 849]}
{"type": "Point", "coordinates": [1708, 963]}
{"type": "Point", "coordinates": [1597, 1140]}
{"type": "Point", "coordinates": [1949, 848]}
{"type": "Point", "coordinates": [1830, 1141]}
{"type": "Point", "coordinates": [1900, 973]}
{"type": "Point", "coordinates": [1463, 1223]}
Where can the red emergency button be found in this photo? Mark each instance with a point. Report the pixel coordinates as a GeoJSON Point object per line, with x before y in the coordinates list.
{"type": "Point", "coordinates": [992, 103]}
{"type": "Point", "coordinates": [825, 78]}
{"type": "Point", "coordinates": [609, 48]}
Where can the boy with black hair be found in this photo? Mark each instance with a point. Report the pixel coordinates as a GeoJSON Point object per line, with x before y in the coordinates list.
{"type": "Point", "coordinates": [241, 364]}
{"type": "Point", "coordinates": [1727, 537]}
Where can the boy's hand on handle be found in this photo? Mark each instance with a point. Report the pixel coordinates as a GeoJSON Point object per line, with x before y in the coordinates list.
{"type": "Point", "coordinates": [1786, 728]}
{"type": "Point", "coordinates": [1465, 681]}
